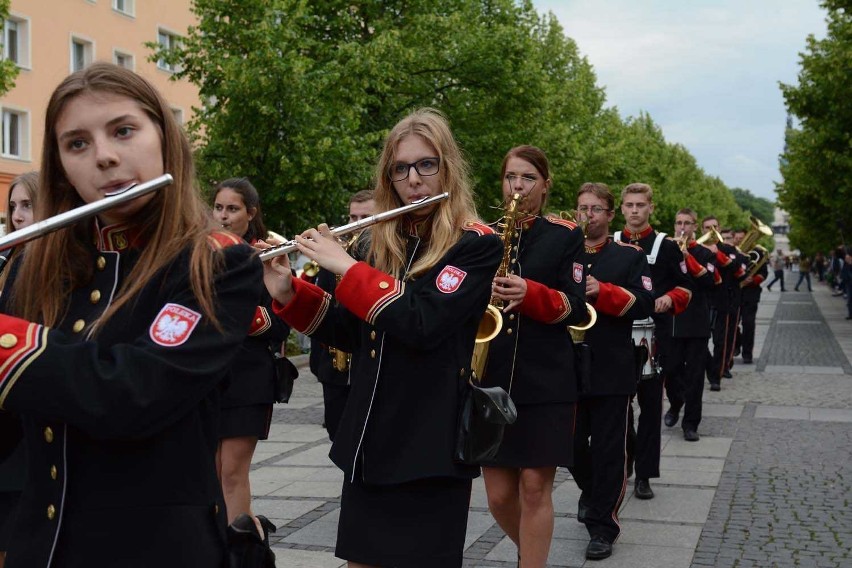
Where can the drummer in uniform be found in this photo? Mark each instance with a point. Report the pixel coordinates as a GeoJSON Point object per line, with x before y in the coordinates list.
{"type": "Point", "coordinates": [618, 285]}
{"type": "Point", "coordinates": [672, 294]}
{"type": "Point", "coordinates": [684, 373]}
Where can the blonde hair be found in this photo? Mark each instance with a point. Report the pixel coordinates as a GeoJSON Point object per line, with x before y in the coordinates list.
{"type": "Point", "coordinates": [388, 242]}
{"type": "Point", "coordinates": [175, 219]}
{"type": "Point", "coordinates": [642, 188]}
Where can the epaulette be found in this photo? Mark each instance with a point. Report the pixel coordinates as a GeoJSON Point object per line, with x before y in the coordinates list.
{"type": "Point", "coordinates": [637, 247]}
{"type": "Point", "coordinates": [223, 239]}
{"type": "Point", "coordinates": [560, 221]}
{"type": "Point", "coordinates": [479, 228]}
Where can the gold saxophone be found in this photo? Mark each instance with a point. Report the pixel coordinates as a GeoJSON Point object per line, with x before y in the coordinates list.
{"type": "Point", "coordinates": [492, 319]}
{"type": "Point", "coordinates": [340, 360]}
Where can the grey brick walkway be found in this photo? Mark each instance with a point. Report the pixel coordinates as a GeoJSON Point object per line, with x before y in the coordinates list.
{"type": "Point", "coordinates": [767, 485]}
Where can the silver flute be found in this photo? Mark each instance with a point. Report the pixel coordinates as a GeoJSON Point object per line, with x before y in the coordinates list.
{"type": "Point", "coordinates": [113, 199]}
{"type": "Point", "coordinates": [290, 246]}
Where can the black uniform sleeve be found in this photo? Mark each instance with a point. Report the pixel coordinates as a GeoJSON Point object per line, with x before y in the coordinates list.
{"type": "Point", "coordinates": [134, 389]}
{"type": "Point", "coordinates": [635, 298]}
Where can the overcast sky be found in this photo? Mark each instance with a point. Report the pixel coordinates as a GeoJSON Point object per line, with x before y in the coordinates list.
{"type": "Point", "coordinates": [707, 71]}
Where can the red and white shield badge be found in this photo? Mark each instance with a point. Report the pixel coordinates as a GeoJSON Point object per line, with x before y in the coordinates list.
{"type": "Point", "coordinates": [646, 283]}
{"type": "Point", "coordinates": [711, 267]}
{"type": "Point", "coordinates": [449, 280]}
{"type": "Point", "coordinates": [578, 272]}
{"type": "Point", "coordinates": [683, 266]}
{"type": "Point", "coordinates": [173, 325]}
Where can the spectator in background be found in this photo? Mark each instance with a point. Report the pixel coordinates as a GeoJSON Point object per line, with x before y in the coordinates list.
{"type": "Point", "coordinates": [804, 272]}
{"type": "Point", "coordinates": [819, 266]}
{"type": "Point", "coordinates": [778, 268]}
{"type": "Point", "coordinates": [846, 275]}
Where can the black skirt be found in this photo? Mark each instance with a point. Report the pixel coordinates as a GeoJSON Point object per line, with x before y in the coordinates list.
{"type": "Point", "coordinates": [242, 421]}
{"type": "Point", "coordinates": [8, 510]}
{"type": "Point", "coordinates": [416, 524]}
{"type": "Point", "coordinates": [542, 436]}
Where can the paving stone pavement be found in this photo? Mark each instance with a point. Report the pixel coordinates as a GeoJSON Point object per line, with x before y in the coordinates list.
{"type": "Point", "coordinates": [768, 484]}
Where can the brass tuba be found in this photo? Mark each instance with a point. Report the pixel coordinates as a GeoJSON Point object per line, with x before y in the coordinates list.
{"type": "Point", "coordinates": [492, 320]}
{"type": "Point", "coordinates": [711, 237]}
{"type": "Point", "coordinates": [758, 255]}
{"type": "Point", "coordinates": [578, 332]}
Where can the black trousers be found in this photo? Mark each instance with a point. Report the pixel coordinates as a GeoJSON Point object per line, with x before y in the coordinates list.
{"type": "Point", "coordinates": [732, 337]}
{"type": "Point", "coordinates": [644, 441]}
{"type": "Point", "coordinates": [716, 363]}
{"type": "Point", "coordinates": [779, 275]}
{"type": "Point", "coordinates": [334, 398]}
{"type": "Point", "coordinates": [600, 461]}
{"type": "Point", "coordinates": [748, 315]}
{"type": "Point", "coordinates": [684, 378]}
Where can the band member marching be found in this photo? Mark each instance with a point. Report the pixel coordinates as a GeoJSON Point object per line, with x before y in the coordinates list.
{"type": "Point", "coordinates": [409, 315]}
{"type": "Point", "coordinates": [684, 372]}
{"type": "Point", "coordinates": [671, 296]}
{"type": "Point", "coordinates": [532, 359]}
{"type": "Point", "coordinates": [751, 290]}
{"type": "Point", "coordinates": [619, 286]}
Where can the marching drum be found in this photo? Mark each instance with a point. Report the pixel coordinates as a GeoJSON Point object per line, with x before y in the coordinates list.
{"type": "Point", "coordinates": [645, 347]}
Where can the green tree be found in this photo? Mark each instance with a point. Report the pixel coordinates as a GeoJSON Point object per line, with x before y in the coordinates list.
{"type": "Point", "coordinates": [8, 69]}
{"type": "Point", "coordinates": [760, 207]}
{"type": "Point", "coordinates": [816, 165]}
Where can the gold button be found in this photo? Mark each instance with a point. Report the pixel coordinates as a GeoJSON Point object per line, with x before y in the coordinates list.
{"type": "Point", "coordinates": [48, 435]}
{"type": "Point", "coordinates": [53, 472]}
{"type": "Point", "coordinates": [8, 340]}
{"type": "Point", "coordinates": [373, 334]}
{"type": "Point", "coordinates": [514, 261]}
{"type": "Point", "coordinates": [258, 321]}
{"type": "Point", "coordinates": [384, 285]}
{"type": "Point", "coordinates": [101, 263]}
{"type": "Point", "coordinates": [373, 353]}
{"type": "Point", "coordinates": [51, 512]}
{"type": "Point", "coordinates": [95, 296]}
{"type": "Point", "coordinates": [511, 316]}
{"type": "Point", "coordinates": [515, 248]}
{"type": "Point", "coordinates": [461, 372]}
{"type": "Point", "coordinates": [509, 331]}
{"type": "Point", "coordinates": [78, 326]}
{"type": "Point", "coordinates": [216, 509]}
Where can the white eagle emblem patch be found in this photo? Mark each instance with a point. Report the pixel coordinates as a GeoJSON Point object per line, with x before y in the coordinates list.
{"type": "Point", "coordinates": [173, 325]}
{"type": "Point", "coordinates": [646, 283]}
{"type": "Point", "coordinates": [578, 272]}
{"type": "Point", "coordinates": [449, 280]}
{"type": "Point", "coordinates": [683, 266]}
{"type": "Point", "coordinates": [710, 267]}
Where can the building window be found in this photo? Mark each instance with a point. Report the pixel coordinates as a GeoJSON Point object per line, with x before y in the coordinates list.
{"type": "Point", "coordinates": [167, 40]}
{"type": "Point", "coordinates": [126, 7]}
{"type": "Point", "coordinates": [82, 53]}
{"type": "Point", "coordinates": [16, 41]}
{"type": "Point", "coordinates": [14, 133]}
{"type": "Point", "coordinates": [123, 59]}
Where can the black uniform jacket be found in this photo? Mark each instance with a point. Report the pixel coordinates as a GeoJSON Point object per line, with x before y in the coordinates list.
{"type": "Point", "coordinates": [732, 267]}
{"type": "Point", "coordinates": [121, 427]}
{"type": "Point", "coordinates": [321, 359]}
{"type": "Point", "coordinates": [695, 320]}
{"type": "Point", "coordinates": [411, 342]}
{"type": "Point", "coordinates": [252, 376]}
{"type": "Point", "coordinates": [668, 272]}
{"type": "Point", "coordinates": [751, 291]}
{"type": "Point", "coordinates": [626, 294]}
{"type": "Point", "coordinates": [532, 357]}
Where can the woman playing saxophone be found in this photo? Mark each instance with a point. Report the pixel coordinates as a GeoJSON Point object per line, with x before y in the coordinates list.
{"type": "Point", "coordinates": [532, 358]}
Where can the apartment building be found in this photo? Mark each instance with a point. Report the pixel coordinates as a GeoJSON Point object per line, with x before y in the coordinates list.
{"type": "Point", "coordinates": [48, 39]}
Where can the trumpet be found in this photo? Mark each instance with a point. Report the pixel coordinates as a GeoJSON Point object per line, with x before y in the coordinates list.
{"type": "Point", "coordinates": [289, 246]}
{"type": "Point", "coordinates": [711, 237]}
{"type": "Point", "coordinates": [682, 241]}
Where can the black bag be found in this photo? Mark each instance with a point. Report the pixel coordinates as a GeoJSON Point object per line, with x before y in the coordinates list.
{"type": "Point", "coordinates": [246, 548]}
{"type": "Point", "coordinates": [285, 373]}
{"type": "Point", "coordinates": [485, 412]}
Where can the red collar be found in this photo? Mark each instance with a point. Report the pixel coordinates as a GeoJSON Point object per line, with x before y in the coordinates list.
{"type": "Point", "coordinates": [597, 248]}
{"type": "Point", "coordinates": [637, 236]}
{"type": "Point", "coordinates": [526, 221]}
{"type": "Point", "coordinates": [417, 226]}
{"type": "Point", "coordinates": [117, 238]}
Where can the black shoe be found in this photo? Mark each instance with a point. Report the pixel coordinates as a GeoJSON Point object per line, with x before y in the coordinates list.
{"type": "Point", "coordinates": [715, 387]}
{"type": "Point", "coordinates": [727, 375]}
{"type": "Point", "coordinates": [748, 360]}
{"type": "Point", "coordinates": [849, 317]}
{"type": "Point", "coordinates": [643, 490]}
{"type": "Point", "coordinates": [598, 548]}
{"type": "Point", "coordinates": [690, 435]}
{"type": "Point", "coordinates": [671, 417]}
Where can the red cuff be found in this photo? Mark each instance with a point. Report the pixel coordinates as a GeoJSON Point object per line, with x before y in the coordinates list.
{"type": "Point", "coordinates": [680, 299]}
{"type": "Point", "coordinates": [757, 279]}
{"type": "Point", "coordinates": [613, 300]}
{"type": "Point", "coordinates": [544, 304]}
{"type": "Point", "coordinates": [741, 271]}
{"type": "Point", "coordinates": [717, 277]}
{"type": "Point", "coordinates": [304, 276]}
{"type": "Point", "coordinates": [366, 291]}
{"type": "Point", "coordinates": [261, 322]}
{"type": "Point", "coordinates": [722, 258]}
{"type": "Point", "coordinates": [306, 310]}
{"type": "Point", "coordinates": [695, 268]}
{"type": "Point", "coordinates": [20, 343]}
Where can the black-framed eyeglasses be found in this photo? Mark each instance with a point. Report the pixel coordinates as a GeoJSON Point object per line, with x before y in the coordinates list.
{"type": "Point", "coordinates": [596, 209]}
{"type": "Point", "coordinates": [424, 167]}
{"type": "Point", "coordinates": [524, 182]}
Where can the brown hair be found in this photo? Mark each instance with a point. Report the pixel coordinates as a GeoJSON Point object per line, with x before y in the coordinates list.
{"type": "Point", "coordinates": [642, 188]}
{"type": "Point", "coordinates": [599, 190]}
{"type": "Point", "coordinates": [29, 181]}
{"type": "Point", "coordinates": [175, 219]}
{"type": "Point", "coordinates": [387, 245]}
{"type": "Point", "coordinates": [362, 196]}
{"type": "Point", "coordinates": [534, 156]}
{"type": "Point", "coordinates": [688, 211]}
{"type": "Point", "coordinates": [251, 199]}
